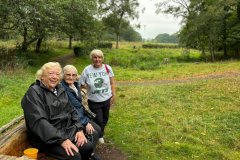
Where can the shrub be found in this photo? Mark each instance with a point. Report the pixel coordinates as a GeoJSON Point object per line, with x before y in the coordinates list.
{"type": "Point", "coordinates": [104, 45]}
{"type": "Point", "coordinates": [150, 45]}
{"type": "Point", "coordinates": [79, 50]}
{"type": "Point", "coordinates": [85, 48]}
{"type": "Point", "coordinates": [10, 61]}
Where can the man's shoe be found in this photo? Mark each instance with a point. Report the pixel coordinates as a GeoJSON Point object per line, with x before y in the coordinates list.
{"type": "Point", "coordinates": [95, 157]}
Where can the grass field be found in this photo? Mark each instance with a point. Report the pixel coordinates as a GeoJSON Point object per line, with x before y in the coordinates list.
{"type": "Point", "coordinates": [194, 120]}
{"type": "Point", "coordinates": [148, 64]}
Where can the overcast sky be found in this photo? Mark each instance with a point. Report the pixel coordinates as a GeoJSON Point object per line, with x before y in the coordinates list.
{"type": "Point", "coordinates": [155, 23]}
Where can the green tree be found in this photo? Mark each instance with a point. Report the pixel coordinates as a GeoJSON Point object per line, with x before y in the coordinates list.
{"type": "Point", "coordinates": [233, 32]}
{"type": "Point", "coordinates": [79, 20]}
{"type": "Point", "coordinates": [118, 14]}
{"type": "Point", "coordinates": [166, 38]}
{"type": "Point", "coordinates": [34, 19]}
{"type": "Point", "coordinates": [131, 35]}
{"type": "Point", "coordinates": [203, 21]}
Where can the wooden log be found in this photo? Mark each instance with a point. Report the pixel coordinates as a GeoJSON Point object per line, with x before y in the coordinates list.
{"type": "Point", "coordinates": [5, 127]}
{"type": "Point", "coordinates": [6, 157]}
{"type": "Point", "coordinates": [15, 141]}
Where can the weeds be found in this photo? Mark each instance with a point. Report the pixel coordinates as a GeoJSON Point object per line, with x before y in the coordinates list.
{"type": "Point", "coordinates": [10, 61]}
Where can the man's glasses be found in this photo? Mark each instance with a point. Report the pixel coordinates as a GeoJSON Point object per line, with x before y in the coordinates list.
{"type": "Point", "coordinates": [73, 75]}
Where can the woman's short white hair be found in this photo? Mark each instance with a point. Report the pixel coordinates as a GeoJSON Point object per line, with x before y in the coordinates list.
{"type": "Point", "coordinates": [69, 68]}
{"type": "Point", "coordinates": [42, 71]}
{"type": "Point", "coordinates": [96, 52]}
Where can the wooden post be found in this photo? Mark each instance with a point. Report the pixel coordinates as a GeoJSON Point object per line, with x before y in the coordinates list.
{"type": "Point", "coordinates": [165, 60]}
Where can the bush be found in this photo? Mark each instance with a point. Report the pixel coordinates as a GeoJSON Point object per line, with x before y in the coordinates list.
{"type": "Point", "coordinates": [10, 60]}
{"type": "Point", "coordinates": [150, 45]}
{"type": "Point", "coordinates": [85, 48]}
{"type": "Point", "coordinates": [79, 50]}
{"type": "Point", "coordinates": [104, 45]}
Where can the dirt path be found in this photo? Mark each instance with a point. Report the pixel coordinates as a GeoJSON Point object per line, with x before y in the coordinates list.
{"type": "Point", "coordinates": [64, 59]}
{"type": "Point", "coordinates": [109, 151]}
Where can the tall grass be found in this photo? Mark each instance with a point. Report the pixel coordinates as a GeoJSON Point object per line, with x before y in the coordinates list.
{"type": "Point", "coordinates": [148, 64]}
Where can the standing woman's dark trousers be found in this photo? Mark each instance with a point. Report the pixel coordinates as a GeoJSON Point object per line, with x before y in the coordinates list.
{"type": "Point", "coordinates": [101, 109]}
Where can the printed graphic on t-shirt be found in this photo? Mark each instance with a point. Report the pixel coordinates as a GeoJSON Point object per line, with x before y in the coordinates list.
{"type": "Point", "coordinates": [98, 82]}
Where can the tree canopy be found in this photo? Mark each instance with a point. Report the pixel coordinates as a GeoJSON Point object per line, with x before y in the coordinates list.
{"type": "Point", "coordinates": [208, 25]}
{"type": "Point", "coordinates": [166, 38]}
{"type": "Point", "coordinates": [40, 19]}
{"type": "Point", "coordinates": [118, 14]}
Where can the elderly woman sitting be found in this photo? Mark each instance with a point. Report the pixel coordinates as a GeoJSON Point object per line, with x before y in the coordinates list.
{"type": "Point", "coordinates": [53, 125]}
{"type": "Point", "coordinates": [74, 94]}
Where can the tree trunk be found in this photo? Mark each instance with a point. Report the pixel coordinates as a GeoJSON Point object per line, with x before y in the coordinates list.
{"type": "Point", "coordinates": [212, 50]}
{"type": "Point", "coordinates": [117, 41]}
{"type": "Point", "coordinates": [24, 44]}
{"type": "Point", "coordinates": [70, 42]}
{"type": "Point", "coordinates": [38, 46]}
{"type": "Point", "coordinates": [238, 16]}
{"type": "Point", "coordinates": [202, 48]}
{"type": "Point", "coordinates": [224, 38]}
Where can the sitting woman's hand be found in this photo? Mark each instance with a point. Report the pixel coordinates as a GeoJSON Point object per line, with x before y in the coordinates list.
{"type": "Point", "coordinates": [89, 129]}
{"type": "Point", "coordinates": [80, 138]}
{"type": "Point", "coordinates": [68, 146]}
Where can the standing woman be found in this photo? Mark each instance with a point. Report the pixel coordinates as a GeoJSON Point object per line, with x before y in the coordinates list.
{"type": "Point", "coordinates": [100, 88]}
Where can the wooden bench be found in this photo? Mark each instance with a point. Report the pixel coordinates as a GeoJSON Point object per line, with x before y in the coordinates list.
{"type": "Point", "coordinates": [14, 142]}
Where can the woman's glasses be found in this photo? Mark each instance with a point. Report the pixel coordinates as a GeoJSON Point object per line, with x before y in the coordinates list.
{"type": "Point", "coordinates": [73, 75]}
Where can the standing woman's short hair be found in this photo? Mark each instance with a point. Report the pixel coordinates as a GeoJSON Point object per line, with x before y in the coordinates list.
{"type": "Point", "coordinates": [96, 52]}
{"type": "Point", "coordinates": [42, 71]}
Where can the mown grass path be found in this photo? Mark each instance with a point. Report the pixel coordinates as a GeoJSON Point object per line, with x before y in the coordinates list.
{"type": "Point", "coordinates": [216, 75]}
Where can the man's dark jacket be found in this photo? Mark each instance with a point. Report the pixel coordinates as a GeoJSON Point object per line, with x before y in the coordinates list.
{"type": "Point", "coordinates": [50, 119]}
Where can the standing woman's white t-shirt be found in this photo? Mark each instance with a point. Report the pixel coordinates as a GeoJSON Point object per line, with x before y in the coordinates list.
{"type": "Point", "coordinates": [98, 82]}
